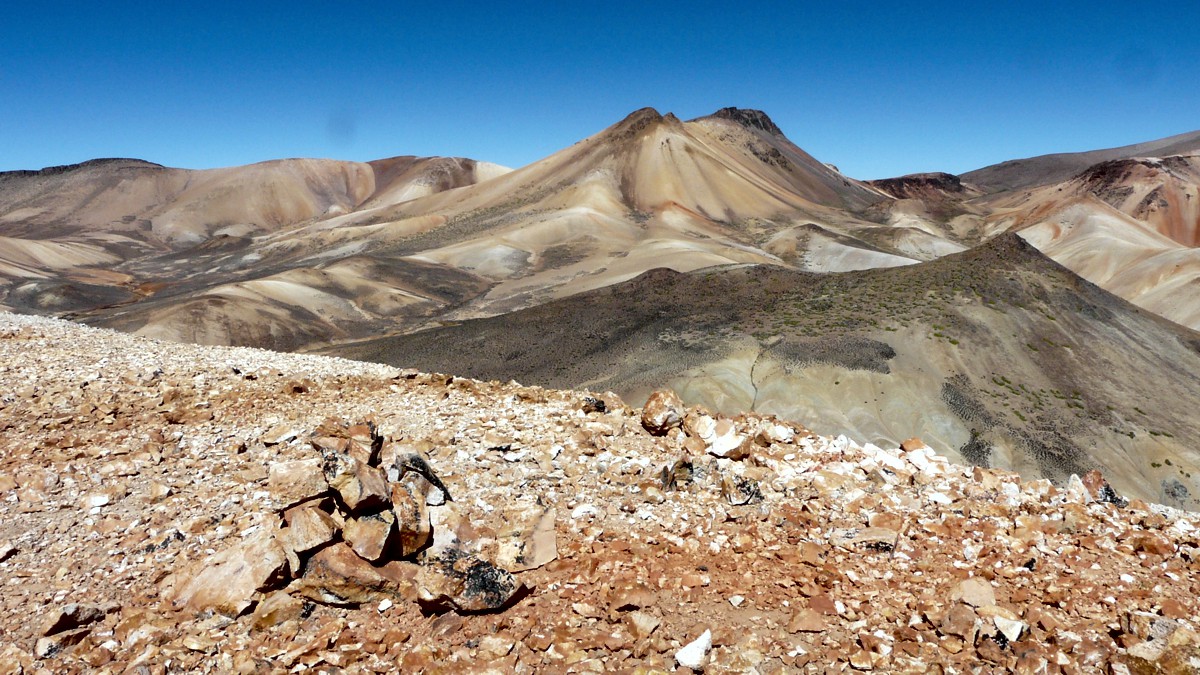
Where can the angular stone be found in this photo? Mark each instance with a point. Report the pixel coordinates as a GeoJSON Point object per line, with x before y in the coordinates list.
{"type": "Point", "coordinates": [739, 490]}
{"type": "Point", "coordinates": [529, 541]}
{"type": "Point", "coordinates": [807, 620]}
{"type": "Point", "coordinates": [861, 660]}
{"type": "Point", "coordinates": [959, 621]}
{"type": "Point", "coordinates": [297, 481]}
{"type": "Point", "coordinates": [227, 581]}
{"type": "Point", "coordinates": [629, 596]}
{"type": "Point", "coordinates": [1011, 628]}
{"type": "Point", "coordinates": [695, 653]}
{"type": "Point", "coordinates": [641, 624]}
{"type": "Point", "coordinates": [459, 580]}
{"type": "Point", "coordinates": [361, 486]}
{"type": "Point", "coordinates": [279, 435]}
{"type": "Point", "coordinates": [51, 646]}
{"type": "Point", "coordinates": [412, 516]}
{"type": "Point", "coordinates": [1077, 492]}
{"type": "Point", "coordinates": [869, 538]}
{"type": "Point", "coordinates": [727, 442]}
{"type": "Point", "coordinates": [1100, 490]}
{"type": "Point", "coordinates": [308, 527]}
{"type": "Point", "coordinates": [975, 592]}
{"type": "Point", "coordinates": [1170, 607]}
{"type": "Point", "coordinates": [410, 459]}
{"type": "Point", "coordinates": [369, 534]}
{"type": "Point", "coordinates": [75, 615]}
{"type": "Point", "coordinates": [663, 411]}
{"type": "Point", "coordinates": [336, 575]}
{"type": "Point", "coordinates": [1178, 653]}
{"type": "Point", "coordinates": [277, 608]}
{"type": "Point", "coordinates": [1151, 543]}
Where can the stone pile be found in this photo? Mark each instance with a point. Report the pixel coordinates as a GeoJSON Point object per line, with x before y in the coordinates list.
{"type": "Point", "coordinates": [170, 508]}
{"type": "Point", "coordinates": [353, 527]}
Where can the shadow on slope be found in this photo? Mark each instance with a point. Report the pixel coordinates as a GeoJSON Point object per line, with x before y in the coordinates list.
{"type": "Point", "coordinates": [996, 355]}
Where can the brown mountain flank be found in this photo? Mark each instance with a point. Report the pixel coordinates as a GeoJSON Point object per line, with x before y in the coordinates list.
{"type": "Point", "coordinates": [996, 356]}
{"type": "Point", "coordinates": [1020, 174]}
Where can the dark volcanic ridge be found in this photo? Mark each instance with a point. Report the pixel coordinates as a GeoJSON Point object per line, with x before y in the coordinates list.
{"type": "Point", "coordinates": [1040, 370]}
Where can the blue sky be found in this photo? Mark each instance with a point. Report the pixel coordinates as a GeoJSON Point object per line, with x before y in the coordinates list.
{"type": "Point", "coordinates": [879, 89]}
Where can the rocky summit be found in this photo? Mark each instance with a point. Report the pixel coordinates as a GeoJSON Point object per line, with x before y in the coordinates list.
{"type": "Point", "coordinates": [177, 508]}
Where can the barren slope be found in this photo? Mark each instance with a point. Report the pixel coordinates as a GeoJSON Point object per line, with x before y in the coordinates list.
{"type": "Point", "coordinates": [1034, 171]}
{"type": "Point", "coordinates": [102, 238]}
{"type": "Point", "coordinates": [996, 356]}
{"type": "Point", "coordinates": [132, 471]}
{"type": "Point", "coordinates": [648, 191]}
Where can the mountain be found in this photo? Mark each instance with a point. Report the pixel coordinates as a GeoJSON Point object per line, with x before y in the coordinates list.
{"type": "Point", "coordinates": [1120, 218]}
{"type": "Point", "coordinates": [190, 250]}
{"type": "Point", "coordinates": [995, 356]}
{"type": "Point", "coordinates": [409, 242]}
{"type": "Point", "coordinates": [719, 221]}
{"type": "Point", "coordinates": [1018, 174]}
{"type": "Point", "coordinates": [715, 190]}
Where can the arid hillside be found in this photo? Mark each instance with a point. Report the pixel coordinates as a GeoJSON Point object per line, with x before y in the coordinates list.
{"type": "Point", "coordinates": [996, 356]}
{"type": "Point", "coordinates": [210, 509]}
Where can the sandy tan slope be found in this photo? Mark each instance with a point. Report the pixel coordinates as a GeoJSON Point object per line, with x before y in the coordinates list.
{"type": "Point", "coordinates": [68, 230]}
{"type": "Point", "coordinates": [648, 191]}
{"type": "Point", "coordinates": [1128, 225]}
{"type": "Point", "coordinates": [1163, 192]}
{"type": "Point", "coordinates": [651, 190]}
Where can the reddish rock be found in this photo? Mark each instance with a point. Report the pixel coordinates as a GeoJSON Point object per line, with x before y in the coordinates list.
{"type": "Point", "coordinates": [807, 621]}
{"type": "Point", "coordinates": [228, 581]}
{"type": "Point", "coordinates": [336, 575]}
{"type": "Point", "coordinates": [461, 581]}
{"type": "Point", "coordinates": [412, 516]}
{"type": "Point", "coordinates": [307, 528]}
{"type": "Point", "coordinates": [959, 621]}
{"type": "Point", "coordinates": [362, 487]}
{"type": "Point", "coordinates": [370, 534]}
{"type": "Point", "coordinates": [297, 481]}
{"type": "Point", "coordinates": [974, 592]}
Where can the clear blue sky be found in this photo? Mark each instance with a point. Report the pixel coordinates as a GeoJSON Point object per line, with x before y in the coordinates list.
{"type": "Point", "coordinates": [879, 89]}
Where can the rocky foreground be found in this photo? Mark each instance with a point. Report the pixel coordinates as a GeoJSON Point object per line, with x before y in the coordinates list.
{"type": "Point", "coordinates": [172, 508]}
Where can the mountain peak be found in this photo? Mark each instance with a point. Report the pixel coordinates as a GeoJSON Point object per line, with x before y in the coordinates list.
{"type": "Point", "coordinates": [641, 119]}
{"type": "Point", "coordinates": [751, 119]}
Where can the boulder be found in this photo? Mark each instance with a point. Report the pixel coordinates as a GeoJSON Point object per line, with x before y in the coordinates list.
{"type": "Point", "coordinates": [227, 581]}
{"type": "Point", "coordinates": [463, 582]}
{"type": "Point", "coordinates": [361, 486]}
{"type": "Point", "coordinates": [412, 515]}
{"type": "Point", "coordinates": [336, 575]}
{"type": "Point", "coordinates": [294, 482]}
{"type": "Point", "coordinates": [663, 411]}
{"type": "Point", "coordinates": [307, 528]}
{"type": "Point", "coordinates": [75, 615]}
{"type": "Point", "coordinates": [369, 534]}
